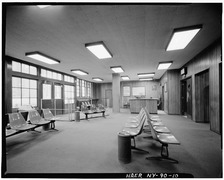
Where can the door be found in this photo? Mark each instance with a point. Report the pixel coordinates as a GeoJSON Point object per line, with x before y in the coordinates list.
{"type": "Point", "coordinates": [47, 101]}
{"type": "Point", "coordinates": [58, 100]}
{"type": "Point", "coordinates": [183, 97]}
{"type": "Point", "coordinates": [202, 96]}
{"type": "Point", "coordinates": [108, 97]}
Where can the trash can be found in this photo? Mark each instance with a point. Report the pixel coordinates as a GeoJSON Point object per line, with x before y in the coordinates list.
{"type": "Point", "coordinates": [77, 116]}
{"type": "Point", "coordinates": [124, 147]}
{"type": "Point", "coordinates": [46, 127]}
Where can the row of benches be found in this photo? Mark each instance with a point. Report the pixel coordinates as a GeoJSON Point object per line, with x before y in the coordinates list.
{"type": "Point", "coordinates": [18, 124]}
{"type": "Point", "coordinates": [158, 130]}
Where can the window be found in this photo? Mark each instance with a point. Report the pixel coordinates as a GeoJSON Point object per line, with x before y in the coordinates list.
{"type": "Point", "coordinates": [83, 88]}
{"type": "Point", "coordinates": [24, 68]}
{"type": "Point", "coordinates": [77, 87]}
{"type": "Point", "coordinates": [50, 74]}
{"type": "Point", "coordinates": [57, 91]}
{"type": "Point", "coordinates": [69, 79]}
{"type": "Point", "coordinates": [89, 89]}
{"type": "Point", "coordinates": [69, 92]}
{"type": "Point", "coordinates": [24, 92]}
{"type": "Point", "coordinates": [46, 91]}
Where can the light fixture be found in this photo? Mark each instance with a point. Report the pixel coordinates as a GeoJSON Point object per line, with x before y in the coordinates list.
{"type": "Point", "coordinates": [43, 6]}
{"type": "Point", "coordinates": [146, 79]}
{"type": "Point", "coordinates": [181, 37]}
{"type": "Point", "coordinates": [117, 69]}
{"type": "Point", "coordinates": [164, 65]}
{"type": "Point", "coordinates": [125, 78]}
{"type": "Point", "coordinates": [99, 49]}
{"type": "Point", "coordinates": [146, 74]}
{"type": "Point", "coordinates": [79, 72]}
{"type": "Point", "coordinates": [97, 79]}
{"type": "Point", "coordinates": [42, 57]}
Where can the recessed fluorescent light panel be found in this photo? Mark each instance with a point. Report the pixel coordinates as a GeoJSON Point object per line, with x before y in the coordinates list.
{"type": "Point", "coordinates": [145, 79]}
{"type": "Point", "coordinates": [42, 57]}
{"type": "Point", "coordinates": [146, 74]}
{"type": "Point", "coordinates": [79, 72]}
{"type": "Point", "coordinates": [99, 49]}
{"type": "Point", "coordinates": [97, 79]}
{"type": "Point", "coordinates": [182, 37]}
{"type": "Point", "coordinates": [164, 65]}
{"type": "Point", "coordinates": [117, 69]}
{"type": "Point", "coordinates": [125, 78]}
{"type": "Point", "coordinates": [43, 6]}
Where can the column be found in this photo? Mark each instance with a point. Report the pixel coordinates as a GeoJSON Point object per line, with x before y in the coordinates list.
{"type": "Point", "coordinates": [116, 92]}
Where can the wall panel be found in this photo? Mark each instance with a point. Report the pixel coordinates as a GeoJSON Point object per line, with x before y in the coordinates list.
{"type": "Point", "coordinates": [208, 59]}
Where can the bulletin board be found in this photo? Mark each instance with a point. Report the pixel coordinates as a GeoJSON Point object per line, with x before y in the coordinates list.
{"type": "Point", "coordinates": [126, 91]}
{"type": "Point", "coordinates": [138, 91]}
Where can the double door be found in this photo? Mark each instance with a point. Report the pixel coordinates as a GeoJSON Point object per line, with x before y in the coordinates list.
{"type": "Point", "coordinates": [52, 97]}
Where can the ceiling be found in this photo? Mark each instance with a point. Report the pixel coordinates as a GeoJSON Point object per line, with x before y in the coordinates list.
{"type": "Point", "coordinates": [136, 35]}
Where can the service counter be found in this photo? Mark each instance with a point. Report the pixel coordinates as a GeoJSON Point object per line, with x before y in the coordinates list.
{"type": "Point", "coordinates": [138, 103]}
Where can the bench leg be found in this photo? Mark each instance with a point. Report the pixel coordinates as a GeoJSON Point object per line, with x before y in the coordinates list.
{"type": "Point", "coordinates": [164, 155]}
{"type": "Point", "coordinates": [135, 148]}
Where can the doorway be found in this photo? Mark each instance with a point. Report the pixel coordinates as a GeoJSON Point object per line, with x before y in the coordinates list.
{"type": "Point", "coordinates": [186, 97]}
{"type": "Point", "coordinates": [202, 97]}
{"type": "Point", "coordinates": [108, 98]}
{"type": "Point", "coordinates": [52, 97]}
{"type": "Point", "coordinates": [162, 99]}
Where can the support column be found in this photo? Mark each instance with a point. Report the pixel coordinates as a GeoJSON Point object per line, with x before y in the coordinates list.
{"type": "Point", "coordinates": [116, 92]}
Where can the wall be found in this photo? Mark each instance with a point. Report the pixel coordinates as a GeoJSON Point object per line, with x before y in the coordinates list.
{"type": "Point", "coordinates": [163, 83]}
{"type": "Point", "coordinates": [171, 82]}
{"type": "Point", "coordinates": [151, 87]}
{"type": "Point", "coordinates": [209, 59]}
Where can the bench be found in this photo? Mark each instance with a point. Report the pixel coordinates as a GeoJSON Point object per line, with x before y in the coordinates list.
{"type": "Point", "coordinates": [165, 138]}
{"type": "Point", "coordinates": [18, 124]}
{"type": "Point", "coordinates": [37, 120]}
{"type": "Point", "coordinates": [134, 129]}
{"type": "Point", "coordinates": [94, 112]}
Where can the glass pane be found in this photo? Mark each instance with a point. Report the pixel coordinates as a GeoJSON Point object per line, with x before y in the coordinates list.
{"type": "Point", "coordinates": [49, 74]}
{"type": "Point", "coordinates": [59, 76]}
{"type": "Point", "coordinates": [16, 102]}
{"type": "Point", "coordinates": [65, 78]}
{"type": "Point", "coordinates": [16, 92]}
{"type": "Point", "coordinates": [33, 70]}
{"type": "Point", "coordinates": [43, 73]}
{"type": "Point", "coordinates": [25, 68]}
{"type": "Point", "coordinates": [33, 93]}
{"type": "Point", "coordinates": [33, 84]}
{"type": "Point", "coordinates": [25, 83]}
{"type": "Point", "coordinates": [16, 66]}
{"type": "Point", "coordinates": [72, 79]}
{"type": "Point", "coordinates": [16, 82]}
{"type": "Point", "coordinates": [25, 101]}
{"type": "Point", "coordinates": [46, 91]}
{"type": "Point", "coordinates": [25, 93]}
{"type": "Point", "coordinates": [33, 101]}
{"type": "Point", "coordinates": [54, 75]}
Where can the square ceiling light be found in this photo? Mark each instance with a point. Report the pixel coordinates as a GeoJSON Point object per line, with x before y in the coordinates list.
{"type": "Point", "coordinates": [146, 79]}
{"type": "Point", "coordinates": [42, 57]}
{"type": "Point", "coordinates": [42, 6]}
{"type": "Point", "coordinates": [79, 72]}
{"type": "Point", "coordinates": [99, 49]}
{"type": "Point", "coordinates": [181, 37]}
{"type": "Point", "coordinates": [164, 65]}
{"type": "Point", "coordinates": [97, 79]}
{"type": "Point", "coordinates": [146, 74]}
{"type": "Point", "coordinates": [117, 69]}
{"type": "Point", "coordinates": [126, 78]}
